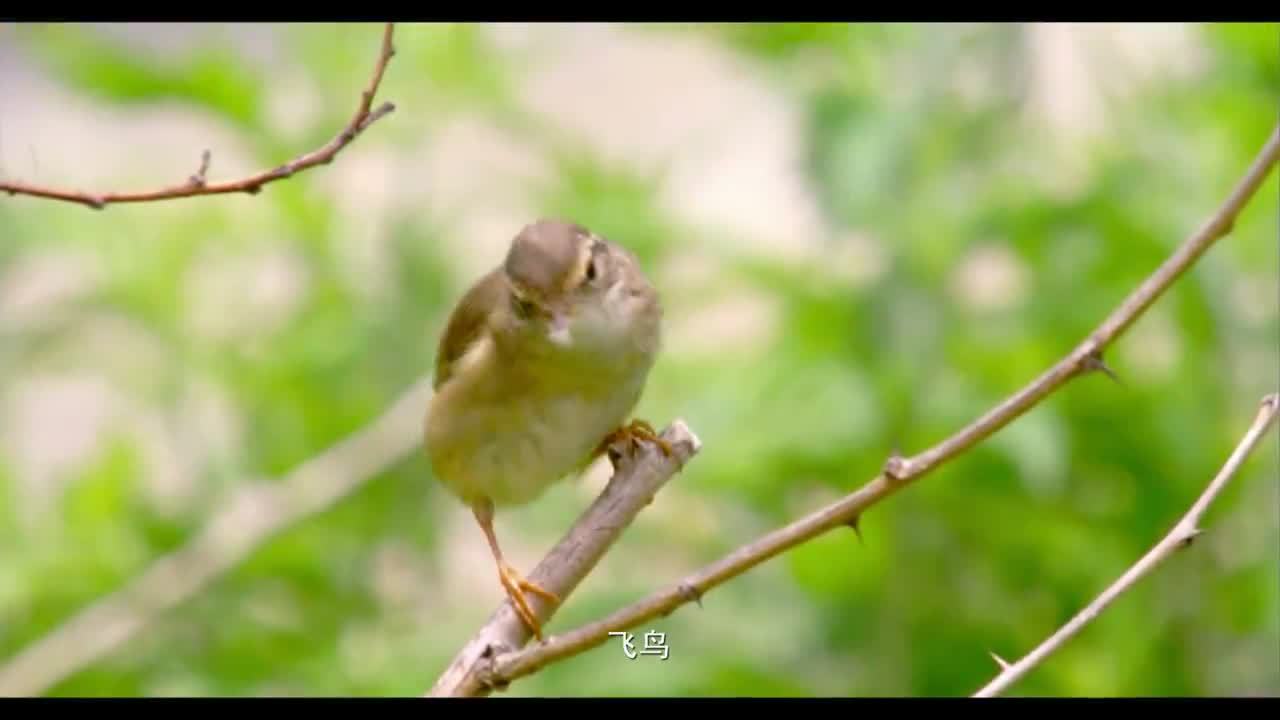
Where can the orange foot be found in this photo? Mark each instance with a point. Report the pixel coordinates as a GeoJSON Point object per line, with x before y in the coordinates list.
{"type": "Point", "coordinates": [516, 586]}
{"type": "Point", "coordinates": [633, 432]}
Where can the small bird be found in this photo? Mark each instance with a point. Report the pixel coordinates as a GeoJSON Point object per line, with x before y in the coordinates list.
{"type": "Point", "coordinates": [538, 368]}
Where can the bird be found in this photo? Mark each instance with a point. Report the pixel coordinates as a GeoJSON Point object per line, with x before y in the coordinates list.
{"type": "Point", "coordinates": [539, 366]}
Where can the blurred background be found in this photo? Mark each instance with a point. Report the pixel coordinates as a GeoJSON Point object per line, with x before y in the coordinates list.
{"type": "Point", "coordinates": [865, 236]}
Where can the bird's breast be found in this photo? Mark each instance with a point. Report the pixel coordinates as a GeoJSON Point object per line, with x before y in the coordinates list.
{"type": "Point", "coordinates": [509, 435]}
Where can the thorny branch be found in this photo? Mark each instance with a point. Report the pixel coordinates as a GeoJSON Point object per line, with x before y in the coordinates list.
{"type": "Point", "coordinates": [1183, 533]}
{"type": "Point", "coordinates": [197, 184]}
{"type": "Point", "coordinates": [498, 670]}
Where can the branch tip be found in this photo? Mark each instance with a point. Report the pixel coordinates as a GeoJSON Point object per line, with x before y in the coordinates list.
{"type": "Point", "coordinates": [681, 433]}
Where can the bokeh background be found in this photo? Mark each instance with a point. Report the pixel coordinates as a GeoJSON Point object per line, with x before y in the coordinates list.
{"type": "Point", "coordinates": [865, 236]}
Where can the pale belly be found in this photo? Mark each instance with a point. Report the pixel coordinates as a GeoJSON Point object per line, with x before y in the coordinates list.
{"type": "Point", "coordinates": [512, 451]}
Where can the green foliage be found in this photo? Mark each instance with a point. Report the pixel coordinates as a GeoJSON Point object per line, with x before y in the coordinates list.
{"type": "Point", "coordinates": [211, 77]}
{"type": "Point", "coordinates": [995, 243]}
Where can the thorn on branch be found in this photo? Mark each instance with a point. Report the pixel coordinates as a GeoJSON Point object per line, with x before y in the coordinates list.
{"type": "Point", "coordinates": [1004, 664]}
{"type": "Point", "coordinates": [198, 180]}
{"type": "Point", "coordinates": [854, 523]}
{"type": "Point", "coordinates": [1094, 362]}
{"type": "Point", "coordinates": [1190, 538]}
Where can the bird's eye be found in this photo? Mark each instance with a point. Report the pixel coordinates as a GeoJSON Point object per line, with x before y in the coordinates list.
{"type": "Point", "coordinates": [524, 308]}
{"type": "Point", "coordinates": [595, 267]}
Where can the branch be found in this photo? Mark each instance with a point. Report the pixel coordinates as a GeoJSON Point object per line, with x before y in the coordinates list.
{"type": "Point", "coordinates": [196, 184]}
{"type": "Point", "coordinates": [1181, 536]}
{"type": "Point", "coordinates": [252, 515]}
{"type": "Point", "coordinates": [898, 472]}
{"type": "Point", "coordinates": [634, 483]}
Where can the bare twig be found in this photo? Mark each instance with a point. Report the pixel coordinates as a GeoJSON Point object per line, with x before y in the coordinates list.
{"type": "Point", "coordinates": [251, 516]}
{"type": "Point", "coordinates": [196, 185]}
{"type": "Point", "coordinates": [1181, 536]}
{"type": "Point", "coordinates": [899, 471]}
{"type": "Point", "coordinates": [633, 485]}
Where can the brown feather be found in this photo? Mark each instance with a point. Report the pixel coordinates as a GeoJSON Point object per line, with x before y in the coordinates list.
{"type": "Point", "coordinates": [547, 258]}
{"type": "Point", "coordinates": [467, 323]}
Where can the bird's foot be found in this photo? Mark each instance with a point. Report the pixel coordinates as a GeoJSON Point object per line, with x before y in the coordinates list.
{"type": "Point", "coordinates": [516, 586]}
{"type": "Point", "coordinates": [632, 433]}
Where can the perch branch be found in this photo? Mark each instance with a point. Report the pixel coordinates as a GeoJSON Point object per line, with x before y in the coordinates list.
{"type": "Point", "coordinates": [252, 515]}
{"type": "Point", "coordinates": [636, 480]}
{"type": "Point", "coordinates": [1183, 533]}
{"type": "Point", "coordinates": [502, 668]}
{"type": "Point", "coordinates": [197, 185]}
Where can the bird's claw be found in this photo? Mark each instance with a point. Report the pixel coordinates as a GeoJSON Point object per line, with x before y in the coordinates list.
{"type": "Point", "coordinates": [516, 586]}
{"type": "Point", "coordinates": [633, 432]}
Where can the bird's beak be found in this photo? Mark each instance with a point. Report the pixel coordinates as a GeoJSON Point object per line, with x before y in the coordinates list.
{"type": "Point", "coordinates": [558, 328]}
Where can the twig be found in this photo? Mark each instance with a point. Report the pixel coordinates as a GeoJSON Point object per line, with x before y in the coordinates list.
{"type": "Point", "coordinates": [898, 472]}
{"type": "Point", "coordinates": [633, 485]}
{"type": "Point", "coordinates": [196, 185]}
{"type": "Point", "coordinates": [254, 514]}
{"type": "Point", "coordinates": [1183, 533]}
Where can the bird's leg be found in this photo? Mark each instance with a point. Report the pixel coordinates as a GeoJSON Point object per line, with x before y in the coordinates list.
{"type": "Point", "coordinates": [511, 580]}
{"type": "Point", "coordinates": [632, 432]}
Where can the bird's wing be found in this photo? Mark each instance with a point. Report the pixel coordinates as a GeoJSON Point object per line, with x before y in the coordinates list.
{"type": "Point", "coordinates": [467, 323]}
